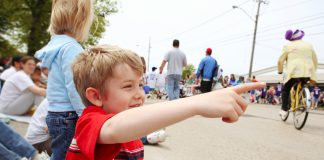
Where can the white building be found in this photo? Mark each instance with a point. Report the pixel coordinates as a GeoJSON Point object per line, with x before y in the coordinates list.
{"type": "Point", "coordinates": [271, 76]}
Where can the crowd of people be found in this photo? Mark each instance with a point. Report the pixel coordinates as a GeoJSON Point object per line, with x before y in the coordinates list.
{"type": "Point", "coordinates": [23, 89]}
{"type": "Point", "coordinates": [90, 103]}
{"type": "Point", "coordinates": [86, 107]}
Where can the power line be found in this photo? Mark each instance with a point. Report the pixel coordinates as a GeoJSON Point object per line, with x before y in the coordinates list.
{"type": "Point", "coordinates": [240, 37]}
{"type": "Point", "coordinates": [309, 18]}
{"type": "Point", "coordinates": [233, 41]}
{"type": "Point", "coordinates": [268, 46]}
{"type": "Point", "coordinates": [205, 22]}
{"type": "Point", "coordinates": [285, 7]}
{"type": "Point", "coordinates": [244, 37]}
{"type": "Point", "coordinates": [309, 26]}
{"type": "Point", "coordinates": [279, 25]}
{"type": "Point", "coordinates": [297, 22]}
{"type": "Point", "coordinates": [243, 40]}
{"type": "Point", "coordinates": [315, 34]}
{"type": "Point", "coordinates": [265, 29]}
{"type": "Point", "coordinates": [197, 26]}
{"type": "Point", "coordinates": [247, 35]}
{"type": "Point", "coordinates": [277, 38]}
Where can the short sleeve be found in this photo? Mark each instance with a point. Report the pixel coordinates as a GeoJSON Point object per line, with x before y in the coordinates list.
{"type": "Point", "coordinates": [22, 81]}
{"type": "Point", "coordinates": [87, 133]}
{"type": "Point", "coordinates": [167, 56]}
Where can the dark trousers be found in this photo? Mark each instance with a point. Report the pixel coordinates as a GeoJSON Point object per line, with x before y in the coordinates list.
{"type": "Point", "coordinates": [206, 86]}
{"type": "Point", "coordinates": [286, 91]}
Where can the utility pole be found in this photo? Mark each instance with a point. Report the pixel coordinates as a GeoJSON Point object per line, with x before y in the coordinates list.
{"type": "Point", "coordinates": [148, 54]}
{"type": "Point", "coordinates": [254, 35]}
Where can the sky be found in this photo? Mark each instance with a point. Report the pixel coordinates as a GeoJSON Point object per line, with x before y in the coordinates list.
{"type": "Point", "coordinates": [215, 24]}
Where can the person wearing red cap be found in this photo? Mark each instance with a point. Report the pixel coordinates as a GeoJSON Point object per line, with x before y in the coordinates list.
{"type": "Point", "coordinates": [207, 70]}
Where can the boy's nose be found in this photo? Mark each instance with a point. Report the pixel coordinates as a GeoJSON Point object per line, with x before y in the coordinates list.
{"type": "Point", "coordinates": [139, 94]}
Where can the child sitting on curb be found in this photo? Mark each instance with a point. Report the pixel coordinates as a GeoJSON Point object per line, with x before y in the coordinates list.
{"type": "Point", "coordinates": [109, 81]}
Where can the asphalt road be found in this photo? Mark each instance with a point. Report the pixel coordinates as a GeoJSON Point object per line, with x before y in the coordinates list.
{"type": "Point", "coordinates": [258, 135]}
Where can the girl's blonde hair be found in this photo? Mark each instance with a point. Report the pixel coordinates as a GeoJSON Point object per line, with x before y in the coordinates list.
{"type": "Point", "coordinates": [95, 65]}
{"type": "Point", "coordinates": [73, 17]}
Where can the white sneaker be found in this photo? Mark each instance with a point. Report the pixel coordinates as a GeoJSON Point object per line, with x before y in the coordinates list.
{"type": "Point", "coordinates": [44, 156]}
{"type": "Point", "coordinates": [283, 114]}
{"type": "Point", "coordinates": [156, 137]}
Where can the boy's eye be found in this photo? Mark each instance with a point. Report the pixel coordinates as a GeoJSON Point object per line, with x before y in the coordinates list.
{"type": "Point", "coordinates": [127, 86]}
{"type": "Point", "coordinates": [141, 85]}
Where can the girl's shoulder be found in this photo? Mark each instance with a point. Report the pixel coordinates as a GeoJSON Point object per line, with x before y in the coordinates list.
{"type": "Point", "coordinates": [71, 48]}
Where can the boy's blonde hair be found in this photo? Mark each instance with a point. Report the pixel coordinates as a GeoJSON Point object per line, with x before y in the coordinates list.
{"type": "Point", "coordinates": [96, 65]}
{"type": "Point", "coordinates": [71, 16]}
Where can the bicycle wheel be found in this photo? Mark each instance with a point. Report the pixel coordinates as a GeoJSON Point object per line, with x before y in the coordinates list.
{"type": "Point", "coordinates": [301, 111]}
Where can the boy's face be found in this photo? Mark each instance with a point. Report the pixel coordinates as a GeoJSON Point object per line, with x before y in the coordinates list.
{"type": "Point", "coordinates": [36, 75]}
{"type": "Point", "coordinates": [124, 90]}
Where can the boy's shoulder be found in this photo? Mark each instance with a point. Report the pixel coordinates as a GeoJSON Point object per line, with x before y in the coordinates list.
{"type": "Point", "coordinates": [93, 115]}
{"type": "Point", "coordinates": [84, 144]}
{"type": "Point", "coordinates": [87, 130]}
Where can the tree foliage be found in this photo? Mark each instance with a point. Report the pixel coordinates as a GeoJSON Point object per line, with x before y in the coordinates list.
{"type": "Point", "coordinates": [188, 71]}
{"type": "Point", "coordinates": [6, 24]}
{"type": "Point", "coordinates": [24, 23]}
{"type": "Point", "coordinates": [103, 8]}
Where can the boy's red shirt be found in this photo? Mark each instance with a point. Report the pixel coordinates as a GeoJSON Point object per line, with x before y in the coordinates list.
{"type": "Point", "coordinates": [84, 144]}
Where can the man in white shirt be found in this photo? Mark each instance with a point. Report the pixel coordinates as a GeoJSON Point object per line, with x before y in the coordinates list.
{"type": "Point", "coordinates": [15, 66]}
{"type": "Point", "coordinates": [176, 60]}
{"type": "Point", "coordinates": [151, 79]}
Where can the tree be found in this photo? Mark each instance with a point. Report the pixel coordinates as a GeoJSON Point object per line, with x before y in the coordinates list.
{"type": "Point", "coordinates": [188, 71]}
{"type": "Point", "coordinates": [39, 15]}
{"type": "Point", "coordinates": [103, 8]}
{"type": "Point", "coordinates": [6, 48]}
{"type": "Point", "coordinates": [24, 23]}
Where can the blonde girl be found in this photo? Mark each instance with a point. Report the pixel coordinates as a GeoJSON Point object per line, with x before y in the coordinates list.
{"type": "Point", "coordinates": [69, 25]}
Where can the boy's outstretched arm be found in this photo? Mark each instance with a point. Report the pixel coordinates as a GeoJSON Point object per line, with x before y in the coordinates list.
{"type": "Point", "coordinates": [135, 123]}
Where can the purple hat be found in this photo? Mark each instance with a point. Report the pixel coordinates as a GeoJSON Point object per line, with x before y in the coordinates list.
{"type": "Point", "coordinates": [292, 36]}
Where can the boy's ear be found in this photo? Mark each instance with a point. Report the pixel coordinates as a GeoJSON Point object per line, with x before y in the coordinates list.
{"type": "Point", "coordinates": [93, 95]}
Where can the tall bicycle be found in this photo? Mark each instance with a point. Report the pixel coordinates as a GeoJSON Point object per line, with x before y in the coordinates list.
{"type": "Point", "coordinates": [300, 103]}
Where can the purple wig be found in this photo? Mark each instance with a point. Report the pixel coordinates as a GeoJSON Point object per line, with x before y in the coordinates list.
{"type": "Point", "coordinates": [292, 36]}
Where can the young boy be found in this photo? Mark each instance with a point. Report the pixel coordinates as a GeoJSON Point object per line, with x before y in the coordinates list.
{"type": "Point", "coordinates": [109, 81]}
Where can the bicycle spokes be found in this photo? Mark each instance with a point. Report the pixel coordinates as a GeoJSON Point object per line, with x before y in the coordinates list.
{"type": "Point", "coordinates": [299, 104]}
{"type": "Point", "coordinates": [301, 110]}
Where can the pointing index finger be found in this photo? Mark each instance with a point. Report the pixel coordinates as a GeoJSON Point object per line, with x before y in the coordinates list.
{"type": "Point", "coordinates": [248, 86]}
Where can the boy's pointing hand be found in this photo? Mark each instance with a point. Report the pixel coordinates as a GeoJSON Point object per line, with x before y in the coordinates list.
{"type": "Point", "coordinates": [226, 103]}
